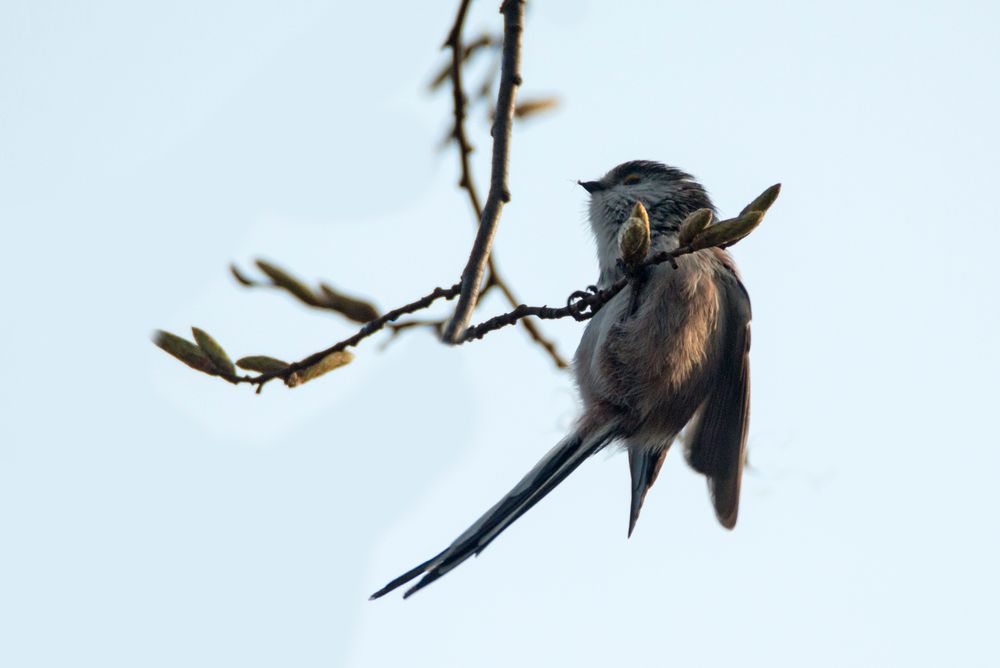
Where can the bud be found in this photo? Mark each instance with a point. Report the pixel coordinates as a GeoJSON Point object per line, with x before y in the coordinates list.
{"type": "Point", "coordinates": [261, 364]}
{"type": "Point", "coordinates": [214, 352]}
{"type": "Point", "coordinates": [283, 279]}
{"type": "Point", "coordinates": [355, 309]}
{"type": "Point", "coordinates": [183, 350]}
{"type": "Point", "coordinates": [639, 211]}
{"type": "Point", "coordinates": [528, 107]}
{"type": "Point", "coordinates": [693, 224]}
{"type": "Point", "coordinates": [325, 365]}
{"type": "Point", "coordinates": [240, 278]}
{"type": "Point", "coordinates": [727, 232]}
{"type": "Point", "coordinates": [764, 200]}
{"type": "Point", "coordinates": [633, 237]}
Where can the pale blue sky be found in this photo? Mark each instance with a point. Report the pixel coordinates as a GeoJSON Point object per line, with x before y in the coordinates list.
{"type": "Point", "coordinates": [151, 516]}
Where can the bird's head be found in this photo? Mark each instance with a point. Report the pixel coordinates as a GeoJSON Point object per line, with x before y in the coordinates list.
{"type": "Point", "coordinates": [668, 194]}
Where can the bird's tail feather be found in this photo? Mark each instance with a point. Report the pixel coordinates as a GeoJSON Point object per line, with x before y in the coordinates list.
{"type": "Point", "coordinates": [553, 468]}
{"type": "Point", "coordinates": [644, 465]}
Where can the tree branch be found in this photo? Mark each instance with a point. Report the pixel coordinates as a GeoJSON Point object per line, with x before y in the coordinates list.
{"type": "Point", "coordinates": [695, 234]}
{"type": "Point", "coordinates": [458, 56]}
{"type": "Point", "coordinates": [326, 298]}
{"type": "Point", "coordinates": [499, 194]}
{"type": "Point", "coordinates": [529, 325]}
{"type": "Point", "coordinates": [370, 328]}
{"type": "Point", "coordinates": [581, 305]}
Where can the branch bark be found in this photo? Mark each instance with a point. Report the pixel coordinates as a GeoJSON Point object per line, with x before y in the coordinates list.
{"type": "Point", "coordinates": [458, 55]}
{"type": "Point", "coordinates": [363, 333]}
{"type": "Point", "coordinates": [499, 194]}
{"type": "Point", "coordinates": [581, 305]}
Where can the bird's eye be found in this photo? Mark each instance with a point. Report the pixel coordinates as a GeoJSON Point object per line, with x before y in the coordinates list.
{"type": "Point", "coordinates": [631, 179]}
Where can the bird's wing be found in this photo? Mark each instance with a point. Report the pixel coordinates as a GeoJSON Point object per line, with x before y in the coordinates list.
{"type": "Point", "coordinates": [542, 479]}
{"type": "Point", "coordinates": [717, 441]}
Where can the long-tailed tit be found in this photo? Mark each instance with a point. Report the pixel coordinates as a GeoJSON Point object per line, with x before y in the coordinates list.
{"type": "Point", "coordinates": [669, 351]}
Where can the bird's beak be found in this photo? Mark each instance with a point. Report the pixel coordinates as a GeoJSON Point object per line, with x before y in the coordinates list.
{"type": "Point", "coordinates": [592, 186]}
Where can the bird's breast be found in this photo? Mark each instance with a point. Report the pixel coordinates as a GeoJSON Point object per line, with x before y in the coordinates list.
{"type": "Point", "coordinates": [653, 362]}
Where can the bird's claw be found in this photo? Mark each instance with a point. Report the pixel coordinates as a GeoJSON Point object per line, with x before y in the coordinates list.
{"type": "Point", "coordinates": [578, 304]}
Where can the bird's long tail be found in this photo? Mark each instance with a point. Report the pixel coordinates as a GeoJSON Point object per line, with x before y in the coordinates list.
{"type": "Point", "coordinates": [553, 468]}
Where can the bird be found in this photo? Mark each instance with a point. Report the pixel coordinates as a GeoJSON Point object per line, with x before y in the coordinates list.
{"type": "Point", "coordinates": [666, 355]}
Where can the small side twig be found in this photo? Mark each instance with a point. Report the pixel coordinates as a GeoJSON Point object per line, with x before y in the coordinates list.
{"type": "Point", "coordinates": [326, 298]}
{"type": "Point", "coordinates": [468, 50]}
{"type": "Point", "coordinates": [529, 326]}
{"type": "Point", "coordinates": [208, 356]}
{"type": "Point", "coordinates": [454, 43]}
{"type": "Point", "coordinates": [580, 306]}
{"type": "Point", "coordinates": [363, 333]}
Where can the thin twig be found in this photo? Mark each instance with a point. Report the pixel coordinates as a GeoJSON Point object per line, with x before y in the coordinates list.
{"type": "Point", "coordinates": [397, 327]}
{"type": "Point", "coordinates": [529, 325]}
{"type": "Point", "coordinates": [580, 306]}
{"type": "Point", "coordinates": [454, 42]}
{"type": "Point", "coordinates": [326, 298]}
{"type": "Point", "coordinates": [363, 333]}
{"type": "Point", "coordinates": [484, 40]}
{"type": "Point", "coordinates": [499, 194]}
